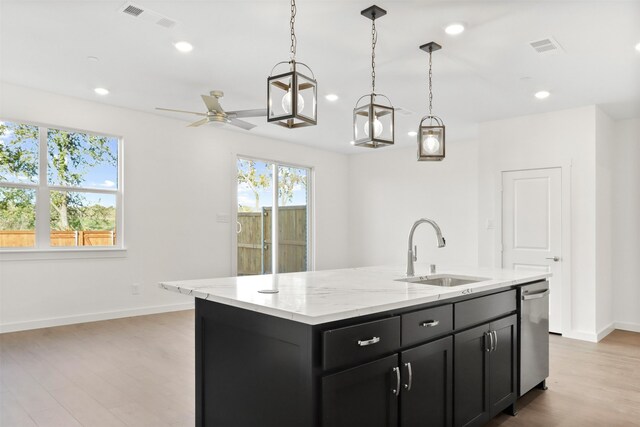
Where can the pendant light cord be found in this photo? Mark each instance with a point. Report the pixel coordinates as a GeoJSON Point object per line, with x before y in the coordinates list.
{"type": "Point", "coordinates": [430, 85]}
{"type": "Point", "coordinates": [292, 23]}
{"type": "Point", "coordinates": [374, 40]}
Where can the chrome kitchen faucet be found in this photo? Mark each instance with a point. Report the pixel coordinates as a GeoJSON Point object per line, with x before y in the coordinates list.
{"type": "Point", "coordinates": [413, 250]}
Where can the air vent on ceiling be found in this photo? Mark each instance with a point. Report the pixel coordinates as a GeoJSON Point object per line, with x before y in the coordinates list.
{"type": "Point", "coordinates": [166, 22]}
{"type": "Point", "coordinates": [137, 11]}
{"type": "Point", "coordinates": [133, 10]}
{"type": "Point", "coordinates": [546, 46]}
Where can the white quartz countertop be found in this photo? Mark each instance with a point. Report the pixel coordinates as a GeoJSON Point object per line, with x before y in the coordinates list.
{"type": "Point", "coordinates": [316, 297]}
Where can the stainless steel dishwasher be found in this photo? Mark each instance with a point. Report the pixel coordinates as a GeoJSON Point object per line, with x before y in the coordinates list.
{"type": "Point", "coordinates": [534, 336]}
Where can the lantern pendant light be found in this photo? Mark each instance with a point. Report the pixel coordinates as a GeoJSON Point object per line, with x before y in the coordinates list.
{"type": "Point", "coordinates": [291, 95]}
{"type": "Point", "coordinates": [373, 121]}
{"type": "Point", "coordinates": [431, 131]}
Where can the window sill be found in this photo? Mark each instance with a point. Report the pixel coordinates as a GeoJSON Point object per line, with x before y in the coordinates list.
{"type": "Point", "coordinates": [53, 254]}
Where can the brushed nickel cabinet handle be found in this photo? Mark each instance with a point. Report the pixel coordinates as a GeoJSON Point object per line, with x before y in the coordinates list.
{"type": "Point", "coordinates": [396, 390]}
{"type": "Point", "coordinates": [364, 343]}
{"type": "Point", "coordinates": [430, 323]}
{"type": "Point", "coordinates": [495, 345]}
{"type": "Point", "coordinates": [490, 335]}
{"type": "Point", "coordinates": [410, 372]}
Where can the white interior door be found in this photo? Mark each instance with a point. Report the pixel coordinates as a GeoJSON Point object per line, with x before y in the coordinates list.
{"type": "Point", "coordinates": [532, 229]}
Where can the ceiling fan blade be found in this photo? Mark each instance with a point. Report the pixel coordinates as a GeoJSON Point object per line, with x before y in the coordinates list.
{"type": "Point", "coordinates": [198, 123]}
{"type": "Point", "coordinates": [180, 111]}
{"type": "Point", "coordinates": [248, 113]}
{"type": "Point", "coordinates": [212, 103]}
{"type": "Point", "coordinates": [242, 124]}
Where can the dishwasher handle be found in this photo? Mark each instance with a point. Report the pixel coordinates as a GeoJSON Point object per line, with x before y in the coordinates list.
{"type": "Point", "coordinates": [536, 295]}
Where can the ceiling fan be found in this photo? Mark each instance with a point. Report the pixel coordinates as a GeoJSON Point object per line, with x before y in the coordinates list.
{"type": "Point", "coordinates": [216, 115]}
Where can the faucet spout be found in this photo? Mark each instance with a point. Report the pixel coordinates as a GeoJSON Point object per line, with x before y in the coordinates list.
{"type": "Point", "coordinates": [411, 257]}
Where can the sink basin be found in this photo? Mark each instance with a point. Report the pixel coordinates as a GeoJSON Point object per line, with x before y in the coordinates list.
{"type": "Point", "coordinates": [446, 280]}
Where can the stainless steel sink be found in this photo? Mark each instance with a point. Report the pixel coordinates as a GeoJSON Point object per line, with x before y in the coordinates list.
{"type": "Point", "coordinates": [446, 280]}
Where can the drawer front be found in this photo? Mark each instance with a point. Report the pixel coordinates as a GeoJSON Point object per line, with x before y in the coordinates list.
{"type": "Point", "coordinates": [423, 325]}
{"type": "Point", "coordinates": [359, 343]}
{"type": "Point", "coordinates": [479, 310]}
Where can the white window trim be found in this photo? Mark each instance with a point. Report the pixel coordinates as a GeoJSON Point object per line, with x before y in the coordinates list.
{"type": "Point", "coordinates": [311, 252]}
{"type": "Point", "coordinates": [43, 248]}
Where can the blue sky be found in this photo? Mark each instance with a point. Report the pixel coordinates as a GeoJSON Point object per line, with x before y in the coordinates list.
{"type": "Point", "coordinates": [102, 175]}
{"type": "Point", "coordinates": [246, 196]}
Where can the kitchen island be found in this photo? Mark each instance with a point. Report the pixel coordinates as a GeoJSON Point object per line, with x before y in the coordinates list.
{"type": "Point", "coordinates": [356, 347]}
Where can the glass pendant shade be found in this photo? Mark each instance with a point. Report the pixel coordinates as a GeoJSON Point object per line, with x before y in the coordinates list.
{"type": "Point", "coordinates": [292, 97]}
{"type": "Point", "coordinates": [373, 122]}
{"type": "Point", "coordinates": [431, 139]}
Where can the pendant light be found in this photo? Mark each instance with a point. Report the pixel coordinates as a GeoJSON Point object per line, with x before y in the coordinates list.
{"type": "Point", "coordinates": [373, 122]}
{"type": "Point", "coordinates": [292, 95]}
{"type": "Point", "coordinates": [431, 131]}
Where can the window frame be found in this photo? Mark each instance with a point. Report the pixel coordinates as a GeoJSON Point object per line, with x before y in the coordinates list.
{"type": "Point", "coordinates": [311, 252]}
{"type": "Point", "coordinates": [43, 192]}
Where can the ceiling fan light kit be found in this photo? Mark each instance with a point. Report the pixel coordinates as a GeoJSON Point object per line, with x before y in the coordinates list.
{"type": "Point", "coordinates": [431, 131]}
{"type": "Point", "coordinates": [373, 120]}
{"type": "Point", "coordinates": [292, 95]}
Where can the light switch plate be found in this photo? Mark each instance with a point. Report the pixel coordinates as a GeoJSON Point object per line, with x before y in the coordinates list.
{"type": "Point", "coordinates": [490, 225]}
{"type": "Point", "coordinates": [223, 217]}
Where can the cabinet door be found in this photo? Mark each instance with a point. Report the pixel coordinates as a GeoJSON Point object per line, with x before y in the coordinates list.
{"type": "Point", "coordinates": [427, 385]}
{"type": "Point", "coordinates": [471, 386]}
{"type": "Point", "coordinates": [503, 365]}
{"type": "Point", "coordinates": [362, 396]}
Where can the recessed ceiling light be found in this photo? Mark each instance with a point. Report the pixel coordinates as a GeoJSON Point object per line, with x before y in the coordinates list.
{"type": "Point", "coordinates": [101, 91]}
{"type": "Point", "coordinates": [352, 142]}
{"type": "Point", "coordinates": [638, 47]}
{"type": "Point", "coordinates": [184, 46]}
{"type": "Point", "coordinates": [412, 133]}
{"type": "Point", "coordinates": [542, 94]}
{"type": "Point", "coordinates": [454, 29]}
{"type": "Point", "coordinates": [92, 58]}
{"type": "Point", "coordinates": [331, 97]}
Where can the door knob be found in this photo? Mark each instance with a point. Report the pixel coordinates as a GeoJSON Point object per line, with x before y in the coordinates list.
{"type": "Point", "coordinates": [555, 258]}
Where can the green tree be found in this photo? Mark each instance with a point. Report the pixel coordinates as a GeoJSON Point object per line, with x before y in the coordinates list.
{"type": "Point", "coordinates": [248, 175]}
{"type": "Point", "coordinates": [288, 180]}
{"type": "Point", "coordinates": [70, 156]}
{"type": "Point", "coordinates": [17, 209]}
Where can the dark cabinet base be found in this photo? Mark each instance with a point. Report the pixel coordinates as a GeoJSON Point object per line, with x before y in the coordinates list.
{"type": "Point", "coordinates": [254, 369]}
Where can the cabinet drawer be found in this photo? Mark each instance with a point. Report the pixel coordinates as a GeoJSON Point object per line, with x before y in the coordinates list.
{"type": "Point", "coordinates": [360, 343]}
{"type": "Point", "coordinates": [422, 325]}
{"type": "Point", "coordinates": [476, 311]}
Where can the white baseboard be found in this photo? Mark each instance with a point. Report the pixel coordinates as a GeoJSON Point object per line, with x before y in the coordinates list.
{"type": "Point", "coordinates": [626, 326]}
{"type": "Point", "coordinates": [605, 331]}
{"type": "Point", "coordinates": [581, 335]}
{"type": "Point", "coordinates": [92, 317]}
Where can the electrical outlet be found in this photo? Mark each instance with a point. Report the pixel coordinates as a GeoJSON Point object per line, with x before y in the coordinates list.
{"type": "Point", "coordinates": [135, 289]}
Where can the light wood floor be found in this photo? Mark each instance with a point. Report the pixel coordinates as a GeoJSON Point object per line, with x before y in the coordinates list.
{"type": "Point", "coordinates": [139, 372]}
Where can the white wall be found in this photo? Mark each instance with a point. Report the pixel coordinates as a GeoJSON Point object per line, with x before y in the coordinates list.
{"type": "Point", "coordinates": [626, 225]}
{"type": "Point", "coordinates": [547, 140]}
{"type": "Point", "coordinates": [175, 181]}
{"type": "Point", "coordinates": [605, 146]}
{"type": "Point", "coordinates": [390, 189]}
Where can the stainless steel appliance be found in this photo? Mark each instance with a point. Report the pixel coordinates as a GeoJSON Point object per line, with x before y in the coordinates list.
{"type": "Point", "coordinates": [534, 336]}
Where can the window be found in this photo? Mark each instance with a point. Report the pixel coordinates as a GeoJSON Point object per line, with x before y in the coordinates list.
{"type": "Point", "coordinates": [58, 188]}
{"type": "Point", "coordinates": [256, 180]}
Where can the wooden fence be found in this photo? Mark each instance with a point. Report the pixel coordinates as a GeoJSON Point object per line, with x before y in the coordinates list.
{"type": "Point", "coordinates": [20, 238]}
{"type": "Point", "coordinates": [254, 240]}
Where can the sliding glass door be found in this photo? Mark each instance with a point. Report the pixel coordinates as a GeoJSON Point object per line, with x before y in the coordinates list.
{"type": "Point", "coordinates": [273, 211]}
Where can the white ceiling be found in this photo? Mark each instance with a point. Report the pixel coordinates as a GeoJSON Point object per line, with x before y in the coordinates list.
{"type": "Point", "coordinates": [488, 72]}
